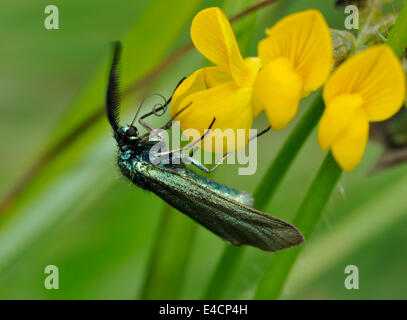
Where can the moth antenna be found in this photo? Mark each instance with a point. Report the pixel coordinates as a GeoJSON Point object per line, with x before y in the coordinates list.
{"type": "Point", "coordinates": [113, 88]}
{"type": "Point", "coordinates": [159, 105]}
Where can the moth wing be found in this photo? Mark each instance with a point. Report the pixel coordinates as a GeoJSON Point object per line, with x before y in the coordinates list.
{"type": "Point", "coordinates": [231, 220]}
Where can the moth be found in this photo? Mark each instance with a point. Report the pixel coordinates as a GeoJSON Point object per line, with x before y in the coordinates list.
{"type": "Point", "coordinates": [219, 208]}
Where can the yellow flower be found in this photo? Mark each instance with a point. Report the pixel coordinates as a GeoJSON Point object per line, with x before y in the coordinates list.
{"type": "Point", "coordinates": [222, 92]}
{"type": "Point", "coordinates": [368, 87]}
{"type": "Point", "coordinates": [297, 56]}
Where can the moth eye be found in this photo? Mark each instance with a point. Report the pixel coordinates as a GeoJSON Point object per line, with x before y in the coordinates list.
{"type": "Point", "coordinates": [132, 132]}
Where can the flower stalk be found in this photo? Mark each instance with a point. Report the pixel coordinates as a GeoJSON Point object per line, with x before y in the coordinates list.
{"type": "Point", "coordinates": [306, 219]}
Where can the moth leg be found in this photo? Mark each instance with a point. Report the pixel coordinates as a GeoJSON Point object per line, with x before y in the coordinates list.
{"type": "Point", "coordinates": [190, 160]}
{"type": "Point", "coordinates": [189, 145]}
{"type": "Point", "coordinates": [146, 126]}
{"type": "Point", "coordinates": [169, 123]}
{"type": "Point", "coordinates": [164, 127]}
{"type": "Point", "coordinates": [149, 128]}
{"type": "Point", "coordinates": [260, 134]}
{"type": "Point", "coordinates": [193, 150]}
{"type": "Point", "coordinates": [196, 163]}
{"type": "Point", "coordinates": [199, 165]}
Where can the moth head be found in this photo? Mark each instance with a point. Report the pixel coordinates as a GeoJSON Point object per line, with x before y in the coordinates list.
{"type": "Point", "coordinates": [127, 136]}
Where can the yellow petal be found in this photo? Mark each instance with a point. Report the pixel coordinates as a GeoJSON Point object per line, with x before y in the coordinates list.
{"type": "Point", "coordinates": [201, 79]}
{"type": "Point", "coordinates": [377, 75]}
{"type": "Point", "coordinates": [228, 104]}
{"type": "Point", "coordinates": [304, 38]}
{"type": "Point", "coordinates": [337, 116]}
{"type": "Point", "coordinates": [348, 149]}
{"type": "Point", "coordinates": [215, 76]}
{"type": "Point", "coordinates": [213, 36]}
{"type": "Point", "coordinates": [194, 83]}
{"type": "Point", "coordinates": [277, 90]}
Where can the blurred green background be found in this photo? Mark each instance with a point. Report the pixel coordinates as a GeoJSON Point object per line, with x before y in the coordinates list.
{"type": "Point", "coordinates": [81, 215]}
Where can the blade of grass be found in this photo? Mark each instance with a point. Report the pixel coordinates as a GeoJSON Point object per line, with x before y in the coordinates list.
{"type": "Point", "coordinates": [307, 216]}
{"type": "Point", "coordinates": [152, 264]}
{"type": "Point", "coordinates": [231, 255]}
{"type": "Point", "coordinates": [374, 216]}
{"type": "Point", "coordinates": [169, 262]}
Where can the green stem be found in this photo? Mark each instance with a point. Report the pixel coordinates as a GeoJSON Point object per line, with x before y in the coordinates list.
{"type": "Point", "coordinates": [306, 219]}
{"type": "Point", "coordinates": [276, 172]}
{"type": "Point", "coordinates": [231, 255]}
{"type": "Point", "coordinates": [156, 252]}
{"type": "Point", "coordinates": [175, 231]}
{"type": "Point", "coordinates": [397, 39]}
{"type": "Point", "coordinates": [224, 272]}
